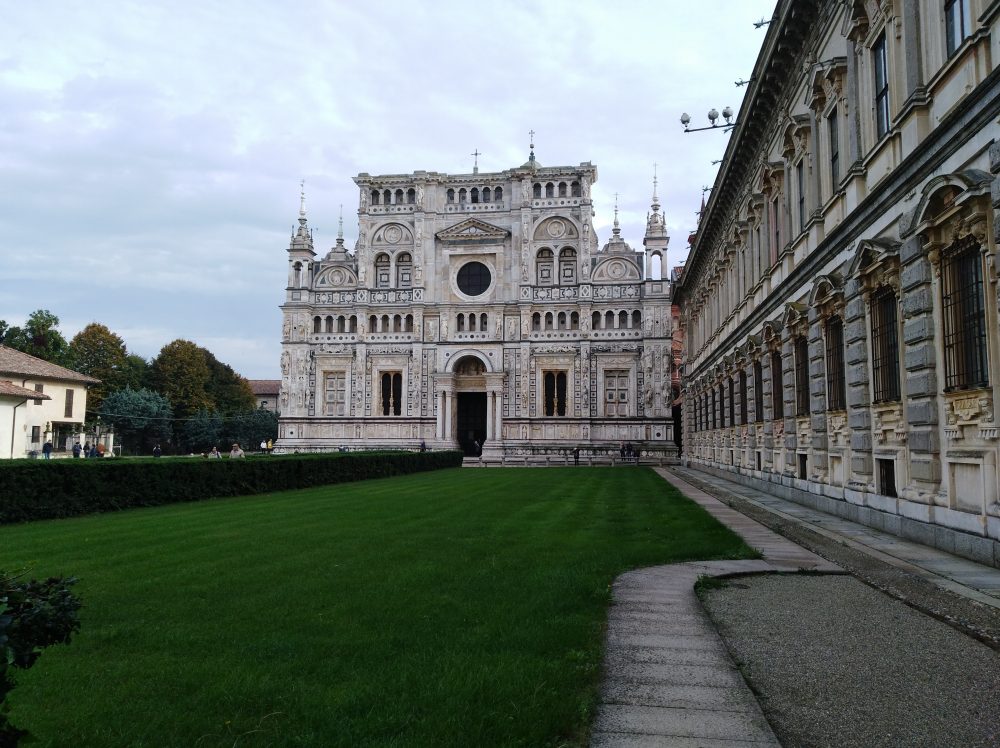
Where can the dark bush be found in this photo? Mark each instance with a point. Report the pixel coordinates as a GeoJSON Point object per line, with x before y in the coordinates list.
{"type": "Point", "coordinates": [33, 615]}
{"type": "Point", "coordinates": [47, 489]}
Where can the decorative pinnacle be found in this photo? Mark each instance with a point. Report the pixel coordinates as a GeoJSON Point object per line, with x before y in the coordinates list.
{"type": "Point", "coordinates": [617, 228]}
{"type": "Point", "coordinates": [302, 199]}
{"type": "Point", "coordinates": [340, 225]}
{"type": "Point", "coordinates": [475, 166]}
{"type": "Point", "coordinates": [655, 198]}
{"type": "Point", "coordinates": [531, 154]}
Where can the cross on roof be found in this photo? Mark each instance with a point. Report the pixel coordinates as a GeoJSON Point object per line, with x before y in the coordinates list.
{"type": "Point", "coordinates": [476, 154]}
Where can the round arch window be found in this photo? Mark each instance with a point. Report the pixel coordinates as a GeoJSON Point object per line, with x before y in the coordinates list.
{"type": "Point", "coordinates": [474, 278]}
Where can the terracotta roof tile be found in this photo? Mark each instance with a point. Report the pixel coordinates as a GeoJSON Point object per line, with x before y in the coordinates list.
{"type": "Point", "coordinates": [265, 386]}
{"type": "Point", "coordinates": [22, 365]}
{"type": "Point", "coordinates": [14, 390]}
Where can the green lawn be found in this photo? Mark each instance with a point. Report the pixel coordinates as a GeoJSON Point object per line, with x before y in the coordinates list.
{"type": "Point", "coordinates": [454, 608]}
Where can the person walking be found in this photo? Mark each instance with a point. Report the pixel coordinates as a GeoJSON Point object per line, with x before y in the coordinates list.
{"type": "Point", "coordinates": [576, 455]}
{"type": "Point", "coordinates": [270, 446]}
{"type": "Point", "coordinates": [47, 449]}
{"type": "Point", "coordinates": [157, 451]}
{"type": "Point", "coordinates": [236, 453]}
{"type": "Point", "coordinates": [263, 447]}
{"type": "Point", "coordinates": [214, 454]}
{"type": "Point", "coordinates": [76, 450]}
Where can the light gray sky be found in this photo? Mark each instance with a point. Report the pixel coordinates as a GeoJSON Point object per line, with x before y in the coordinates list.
{"type": "Point", "coordinates": [150, 152]}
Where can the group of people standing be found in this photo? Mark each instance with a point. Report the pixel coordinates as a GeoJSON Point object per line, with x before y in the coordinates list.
{"type": "Point", "coordinates": [87, 450]}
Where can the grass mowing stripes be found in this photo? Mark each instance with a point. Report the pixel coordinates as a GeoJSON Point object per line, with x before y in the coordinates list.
{"type": "Point", "coordinates": [453, 608]}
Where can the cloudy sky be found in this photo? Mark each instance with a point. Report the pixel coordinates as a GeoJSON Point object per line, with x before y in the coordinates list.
{"type": "Point", "coordinates": [151, 152]}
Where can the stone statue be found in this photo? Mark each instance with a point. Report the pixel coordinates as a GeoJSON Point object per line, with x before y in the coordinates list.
{"type": "Point", "coordinates": [364, 198]}
{"type": "Point", "coordinates": [420, 196]}
{"type": "Point", "coordinates": [284, 362]}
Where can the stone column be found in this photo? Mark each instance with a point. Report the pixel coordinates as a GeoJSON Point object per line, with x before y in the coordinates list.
{"type": "Point", "coordinates": [788, 395]}
{"type": "Point", "coordinates": [490, 396]}
{"type": "Point", "coordinates": [920, 392]}
{"type": "Point", "coordinates": [439, 397]}
{"type": "Point", "coordinates": [859, 477]}
{"type": "Point", "coordinates": [449, 397]}
{"type": "Point", "coordinates": [818, 402]}
{"type": "Point", "coordinates": [498, 418]}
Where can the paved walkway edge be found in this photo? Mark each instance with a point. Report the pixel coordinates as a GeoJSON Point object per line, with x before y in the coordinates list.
{"type": "Point", "coordinates": [668, 677]}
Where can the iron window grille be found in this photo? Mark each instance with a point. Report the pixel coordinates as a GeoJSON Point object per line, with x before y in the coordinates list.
{"type": "Point", "coordinates": [964, 316]}
{"type": "Point", "coordinates": [758, 391]}
{"type": "Point", "coordinates": [836, 385]}
{"type": "Point", "coordinates": [801, 376]}
{"type": "Point", "coordinates": [881, 64]}
{"type": "Point", "coordinates": [743, 397]}
{"type": "Point", "coordinates": [885, 345]}
{"type": "Point", "coordinates": [777, 387]}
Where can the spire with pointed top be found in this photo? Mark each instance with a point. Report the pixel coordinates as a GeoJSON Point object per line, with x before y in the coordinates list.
{"type": "Point", "coordinates": [617, 229]}
{"type": "Point", "coordinates": [655, 223]}
{"type": "Point", "coordinates": [302, 238]}
{"type": "Point", "coordinates": [340, 226]}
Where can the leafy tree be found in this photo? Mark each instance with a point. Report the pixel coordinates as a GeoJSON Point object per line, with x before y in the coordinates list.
{"type": "Point", "coordinates": [252, 427]}
{"type": "Point", "coordinates": [141, 418]}
{"type": "Point", "coordinates": [202, 431]}
{"type": "Point", "coordinates": [33, 615]}
{"type": "Point", "coordinates": [230, 393]}
{"type": "Point", "coordinates": [100, 353]}
{"type": "Point", "coordinates": [39, 337]}
{"type": "Point", "coordinates": [135, 372]}
{"type": "Point", "coordinates": [181, 374]}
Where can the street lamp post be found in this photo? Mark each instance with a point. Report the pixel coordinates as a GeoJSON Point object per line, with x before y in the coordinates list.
{"type": "Point", "coordinates": [713, 116]}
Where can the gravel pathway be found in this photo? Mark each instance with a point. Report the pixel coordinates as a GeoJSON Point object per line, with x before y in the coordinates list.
{"type": "Point", "coordinates": [978, 620]}
{"type": "Point", "coordinates": [837, 663]}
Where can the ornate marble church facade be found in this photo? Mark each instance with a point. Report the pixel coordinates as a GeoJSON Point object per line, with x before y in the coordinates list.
{"type": "Point", "coordinates": [477, 311]}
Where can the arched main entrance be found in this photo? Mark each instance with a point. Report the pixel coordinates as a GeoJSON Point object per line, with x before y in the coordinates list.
{"type": "Point", "coordinates": [471, 404]}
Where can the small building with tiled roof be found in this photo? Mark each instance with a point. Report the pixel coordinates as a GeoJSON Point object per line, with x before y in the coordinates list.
{"type": "Point", "coordinates": [266, 392]}
{"type": "Point", "coordinates": [39, 401]}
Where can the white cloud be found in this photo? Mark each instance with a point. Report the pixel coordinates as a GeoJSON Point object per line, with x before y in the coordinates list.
{"type": "Point", "coordinates": [150, 152]}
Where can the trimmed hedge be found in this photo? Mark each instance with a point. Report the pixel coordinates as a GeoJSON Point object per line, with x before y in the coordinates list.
{"type": "Point", "coordinates": [48, 489]}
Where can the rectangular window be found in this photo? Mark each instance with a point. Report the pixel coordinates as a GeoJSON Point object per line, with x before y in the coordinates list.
{"type": "Point", "coordinates": [775, 229]}
{"type": "Point", "coordinates": [732, 402]}
{"type": "Point", "coordinates": [40, 389]}
{"type": "Point", "coordinates": [616, 392]}
{"type": "Point", "coordinates": [836, 386]}
{"type": "Point", "coordinates": [68, 410]}
{"type": "Point", "coordinates": [803, 466]}
{"type": "Point", "coordinates": [964, 316]}
{"type": "Point", "coordinates": [801, 376]}
{"type": "Point", "coordinates": [885, 345]}
{"type": "Point", "coordinates": [715, 411]}
{"type": "Point", "coordinates": [881, 65]}
{"type": "Point", "coordinates": [958, 23]}
{"type": "Point", "coordinates": [887, 477]}
{"type": "Point", "coordinates": [834, 151]}
{"type": "Point", "coordinates": [555, 393]}
{"type": "Point", "coordinates": [335, 394]}
{"type": "Point", "coordinates": [392, 393]}
{"type": "Point", "coordinates": [800, 178]}
{"type": "Point", "coordinates": [743, 397]}
{"type": "Point", "coordinates": [777, 387]}
{"type": "Point", "coordinates": [36, 434]}
{"type": "Point", "coordinates": [758, 391]}
{"type": "Point", "coordinates": [722, 407]}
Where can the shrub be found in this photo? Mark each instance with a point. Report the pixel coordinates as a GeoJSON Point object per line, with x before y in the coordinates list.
{"type": "Point", "coordinates": [33, 615]}
{"type": "Point", "coordinates": [48, 489]}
